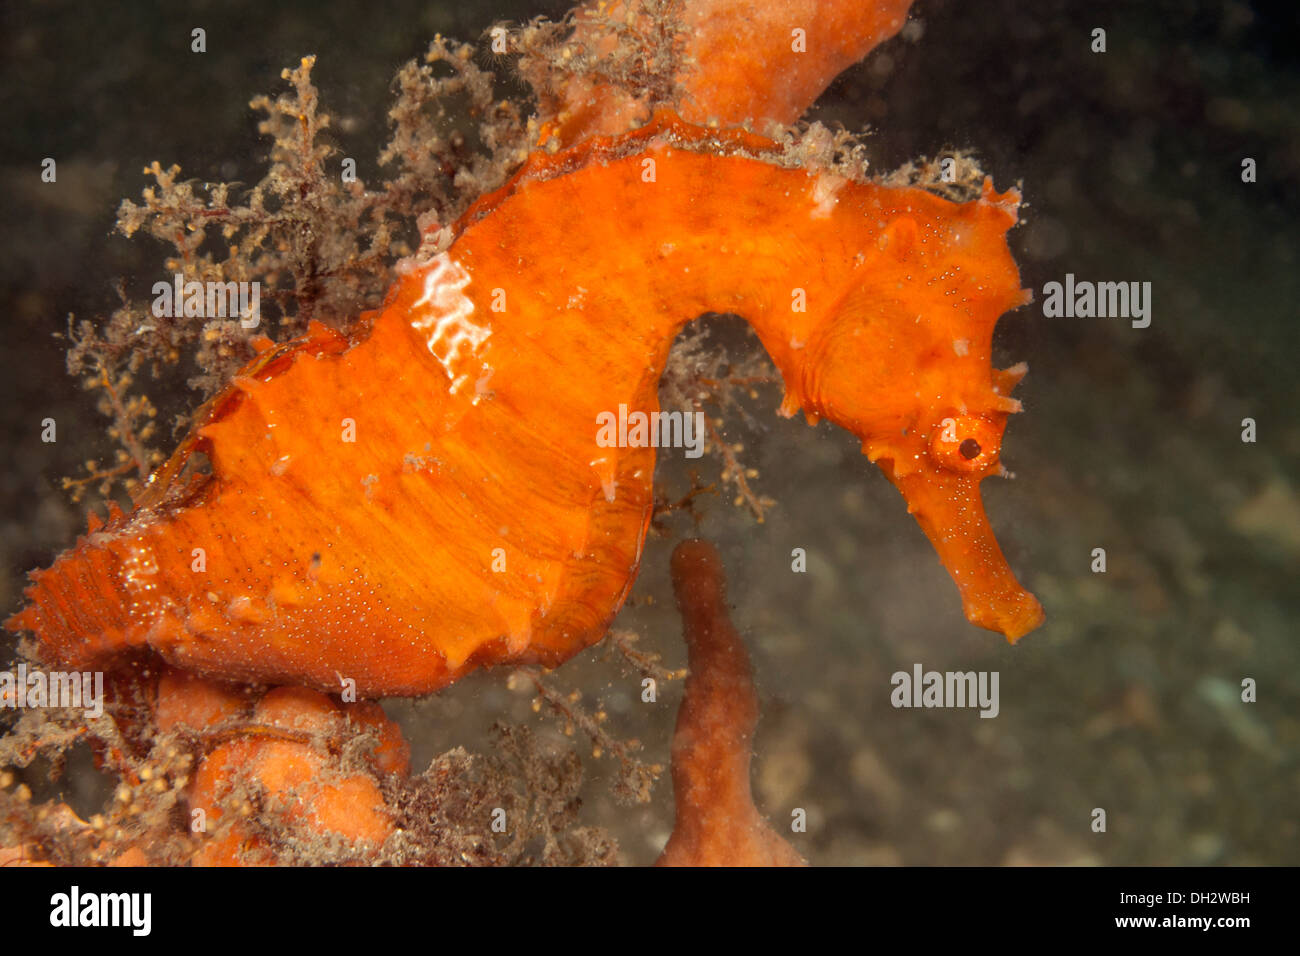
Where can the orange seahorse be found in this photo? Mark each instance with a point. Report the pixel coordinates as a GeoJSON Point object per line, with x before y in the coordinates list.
{"type": "Point", "coordinates": [430, 496]}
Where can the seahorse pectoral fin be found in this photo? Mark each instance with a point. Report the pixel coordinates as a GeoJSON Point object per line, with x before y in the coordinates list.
{"type": "Point", "coordinates": [951, 513]}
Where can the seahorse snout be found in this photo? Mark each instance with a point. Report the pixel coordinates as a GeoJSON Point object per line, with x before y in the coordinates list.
{"type": "Point", "coordinates": [949, 509]}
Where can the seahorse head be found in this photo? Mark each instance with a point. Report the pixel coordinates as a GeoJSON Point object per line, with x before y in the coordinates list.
{"type": "Point", "coordinates": [903, 361]}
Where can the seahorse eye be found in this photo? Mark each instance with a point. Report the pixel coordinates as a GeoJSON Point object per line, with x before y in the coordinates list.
{"type": "Point", "coordinates": [964, 443]}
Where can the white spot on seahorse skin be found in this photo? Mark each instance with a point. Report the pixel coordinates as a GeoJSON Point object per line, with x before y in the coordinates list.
{"type": "Point", "coordinates": [443, 313]}
{"type": "Point", "coordinates": [825, 195]}
{"type": "Point", "coordinates": [604, 467]}
{"type": "Point", "coordinates": [481, 387]}
{"type": "Point", "coordinates": [961, 346]}
{"type": "Point", "coordinates": [140, 565]}
{"type": "Point", "coordinates": [139, 571]}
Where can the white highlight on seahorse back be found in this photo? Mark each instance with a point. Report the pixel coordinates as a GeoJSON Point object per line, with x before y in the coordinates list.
{"type": "Point", "coordinates": [443, 314]}
{"type": "Point", "coordinates": [825, 194]}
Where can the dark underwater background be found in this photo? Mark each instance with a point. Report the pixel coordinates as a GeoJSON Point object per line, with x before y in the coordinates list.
{"type": "Point", "coordinates": [1128, 699]}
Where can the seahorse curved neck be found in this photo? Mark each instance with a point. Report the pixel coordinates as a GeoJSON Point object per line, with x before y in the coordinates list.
{"type": "Point", "coordinates": [629, 250]}
{"type": "Point", "coordinates": [626, 240]}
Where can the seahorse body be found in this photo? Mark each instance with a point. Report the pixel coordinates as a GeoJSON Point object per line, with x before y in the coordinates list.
{"type": "Point", "coordinates": [431, 496]}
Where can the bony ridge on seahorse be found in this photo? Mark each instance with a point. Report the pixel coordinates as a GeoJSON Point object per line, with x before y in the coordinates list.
{"type": "Point", "coordinates": [430, 496]}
